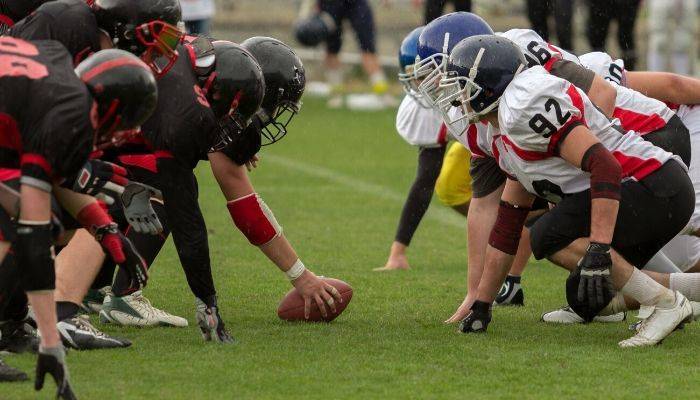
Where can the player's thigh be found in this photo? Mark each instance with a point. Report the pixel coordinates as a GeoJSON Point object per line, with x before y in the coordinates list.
{"type": "Point", "coordinates": [454, 184]}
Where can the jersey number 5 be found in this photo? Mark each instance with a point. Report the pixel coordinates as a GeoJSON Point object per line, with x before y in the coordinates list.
{"type": "Point", "coordinates": [13, 60]}
{"type": "Point", "coordinates": [541, 125]}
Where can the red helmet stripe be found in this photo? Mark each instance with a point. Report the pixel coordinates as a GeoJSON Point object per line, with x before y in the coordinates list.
{"type": "Point", "coordinates": [111, 64]}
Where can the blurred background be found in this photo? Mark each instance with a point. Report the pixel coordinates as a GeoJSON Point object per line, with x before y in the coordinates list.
{"type": "Point", "coordinates": [647, 34]}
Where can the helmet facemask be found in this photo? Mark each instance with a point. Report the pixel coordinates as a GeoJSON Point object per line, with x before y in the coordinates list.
{"type": "Point", "coordinates": [428, 72]}
{"type": "Point", "coordinates": [108, 124]}
{"type": "Point", "coordinates": [160, 40]}
{"type": "Point", "coordinates": [459, 92]}
{"type": "Point", "coordinates": [410, 85]}
{"type": "Point", "coordinates": [274, 125]}
{"type": "Point", "coordinates": [230, 125]}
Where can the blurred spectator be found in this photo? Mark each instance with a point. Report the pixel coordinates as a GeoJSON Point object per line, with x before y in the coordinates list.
{"type": "Point", "coordinates": [197, 15]}
{"type": "Point", "coordinates": [601, 14]}
{"type": "Point", "coordinates": [359, 13]}
{"type": "Point", "coordinates": [672, 26]}
{"type": "Point", "coordinates": [434, 8]}
{"type": "Point", "coordinates": [538, 12]}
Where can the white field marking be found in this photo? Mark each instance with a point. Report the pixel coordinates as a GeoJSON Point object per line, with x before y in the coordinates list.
{"type": "Point", "coordinates": [438, 214]}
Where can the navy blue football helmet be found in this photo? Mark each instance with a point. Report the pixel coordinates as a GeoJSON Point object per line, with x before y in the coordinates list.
{"type": "Point", "coordinates": [477, 73]}
{"type": "Point", "coordinates": [407, 57]}
{"type": "Point", "coordinates": [434, 46]}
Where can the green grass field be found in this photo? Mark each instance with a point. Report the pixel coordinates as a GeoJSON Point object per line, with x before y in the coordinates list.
{"type": "Point", "coordinates": [336, 185]}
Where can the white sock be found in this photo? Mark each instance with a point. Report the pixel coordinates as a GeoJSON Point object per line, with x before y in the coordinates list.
{"type": "Point", "coordinates": [334, 76]}
{"type": "Point", "coordinates": [377, 77]}
{"type": "Point", "coordinates": [647, 291]}
{"type": "Point", "coordinates": [687, 284]}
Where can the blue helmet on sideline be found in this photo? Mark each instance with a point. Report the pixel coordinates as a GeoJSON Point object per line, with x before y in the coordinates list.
{"type": "Point", "coordinates": [407, 57]}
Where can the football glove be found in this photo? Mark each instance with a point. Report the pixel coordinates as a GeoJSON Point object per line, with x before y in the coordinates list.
{"type": "Point", "coordinates": [595, 288]}
{"type": "Point", "coordinates": [478, 319]}
{"type": "Point", "coordinates": [136, 201]}
{"type": "Point", "coordinates": [100, 179]}
{"type": "Point", "coordinates": [210, 323]}
{"type": "Point", "coordinates": [123, 252]}
{"type": "Point", "coordinates": [53, 361]}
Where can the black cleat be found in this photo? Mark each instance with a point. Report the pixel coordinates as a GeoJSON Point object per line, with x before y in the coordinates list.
{"type": "Point", "coordinates": [18, 337]}
{"type": "Point", "coordinates": [511, 293]}
{"type": "Point", "coordinates": [78, 333]}
{"type": "Point", "coordinates": [9, 374]}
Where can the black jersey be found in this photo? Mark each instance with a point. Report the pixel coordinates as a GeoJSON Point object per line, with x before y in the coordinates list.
{"type": "Point", "coordinates": [182, 124]}
{"type": "Point", "coordinates": [45, 125]}
{"type": "Point", "coordinates": [70, 22]}
{"type": "Point", "coordinates": [12, 11]}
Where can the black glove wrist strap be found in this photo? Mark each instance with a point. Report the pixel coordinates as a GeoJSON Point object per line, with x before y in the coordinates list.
{"type": "Point", "coordinates": [481, 308]}
{"type": "Point", "coordinates": [595, 247]}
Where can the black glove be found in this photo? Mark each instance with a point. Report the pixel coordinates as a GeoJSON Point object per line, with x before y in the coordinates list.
{"type": "Point", "coordinates": [101, 179]}
{"type": "Point", "coordinates": [53, 361]}
{"type": "Point", "coordinates": [210, 322]}
{"type": "Point", "coordinates": [477, 320]}
{"type": "Point", "coordinates": [595, 288]}
{"type": "Point", "coordinates": [123, 252]}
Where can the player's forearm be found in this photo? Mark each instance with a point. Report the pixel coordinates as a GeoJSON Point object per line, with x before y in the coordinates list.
{"type": "Point", "coordinates": [603, 95]}
{"type": "Point", "coordinates": [496, 266]}
{"type": "Point", "coordinates": [665, 86]}
{"type": "Point", "coordinates": [603, 218]}
{"type": "Point", "coordinates": [71, 201]}
{"type": "Point", "coordinates": [480, 220]}
{"type": "Point", "coordinates": [280, 252]}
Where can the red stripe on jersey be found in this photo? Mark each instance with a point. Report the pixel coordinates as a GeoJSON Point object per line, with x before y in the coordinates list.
{"type": "Point", "coordinates": [473, 143]}
{"type": "Point", "coordinates": [4, 19]}
{"type": "Point", "coordinates": [576, 100]}
{"type": "Point", "coordinates": [163, 154]}
{"type": "Point", "coordinates": [10, 137]}
{"type": "Point", "coordinates": [442, 134]}
{"type": "Point", "coordinates": [640, 123]}
{"type": "Point", "coordinates": [672, 106]}
{"type": "Point", "coordinates": [145, 161]}
{"type": "Point", "coordinates": [635, 167]}
{"type": "Point", "coordinates": [527, 155]}
{"type": "Point", "coordinates": [8, 174]}
{"type": "Point", "coordinates": [36, 159]}
{"type": "Point", "coordinates": [111, 64]}
{"type": "Point", "coordinates": [556, 56]}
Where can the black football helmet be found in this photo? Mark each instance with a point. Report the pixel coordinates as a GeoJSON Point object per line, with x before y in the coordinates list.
{"type": "Point", "coordinates": [124, 92]}
{"type": "Point", "coordinates": [147, 28]}
{"type": "Point", "coordinates": [477, 73]}
{"type": "Point", "coordinates": [315, 29]}
{"type": "Point", "coordinates": [285, 80]}
{"type": "Point", "coordinates": [235, 88]}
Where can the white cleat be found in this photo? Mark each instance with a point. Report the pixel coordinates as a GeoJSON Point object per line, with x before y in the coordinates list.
{"type": "Point", "coordinates": [661, 323]}
{"type": "Point", "coordinates": [136, 310]}
{"type": "Point", "coordinates": [566, 315]}
{"type": "Point", "coordinates": [696, 310]}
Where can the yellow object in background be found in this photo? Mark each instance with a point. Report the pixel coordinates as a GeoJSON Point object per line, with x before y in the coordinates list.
{"type": "Point", "coordinates": [454, 185]}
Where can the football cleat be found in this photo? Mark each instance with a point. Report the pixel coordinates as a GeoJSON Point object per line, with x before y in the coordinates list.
{"type": "Point", "coordinates": [210, 323]}
{"type": "Point", "coordinates": [18, 337]}
{"type": "Point", "coordinates": [661, 323]}
{"type": "Point", "coordinates": [78, 333]}
{"type": "Point", "coordinates": [9, 374]}
{"type": "Point", "coordinates": [511, 293]}
{"type": "Point", "coordinates": [566, 315]}
{"type": "Point", "coordinates": [136, 310]}
{"type": "Point", "coordinates": [92, 302]}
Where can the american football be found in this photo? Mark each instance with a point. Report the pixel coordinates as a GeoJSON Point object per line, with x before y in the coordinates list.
{"type": "Point", "coordinates": [511, 187]}
{"type": "Point", "coordinates": [291, 307]}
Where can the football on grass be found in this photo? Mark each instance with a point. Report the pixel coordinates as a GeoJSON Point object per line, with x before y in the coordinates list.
{"type": "Point", "coordinates": [291, 307]}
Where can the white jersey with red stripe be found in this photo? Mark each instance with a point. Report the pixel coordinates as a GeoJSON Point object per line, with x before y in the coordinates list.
{"type": "Point", "coordinates": [536, 111]}
{"type": "Point", "coordinates": [420, 126]}
{"type": "Point", "coordinates": [477, 138]}
{"type": "Point", "coordinates": [635, 111]}
{"type": "Point", "coordinates": [537, 51]}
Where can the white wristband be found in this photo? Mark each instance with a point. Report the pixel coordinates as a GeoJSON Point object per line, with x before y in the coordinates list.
{"type": "Point", "coordinates": [297, 269]}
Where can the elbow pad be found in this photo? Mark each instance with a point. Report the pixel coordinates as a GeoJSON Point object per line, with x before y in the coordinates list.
{"type": "Point", "coordinates": [254, 219]}
{"type": "Point", "coordinates": [34, 252]}
{"type": "Point", "coordinates": [508, 227]}
{"type": "Point", "coordinates": [606, 172]}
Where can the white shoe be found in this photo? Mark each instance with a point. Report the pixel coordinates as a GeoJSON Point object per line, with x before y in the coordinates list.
{"type": "Point", "coordinates": [566, 315]}
{"type": "Point", "coordinates": [696, 310]}
{"type": "Point", "coordinates": [136, 310]}
{"type": "Point", "coordinates": [661, 323]}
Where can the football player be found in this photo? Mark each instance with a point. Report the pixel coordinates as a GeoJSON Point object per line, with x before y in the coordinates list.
{"type": "Point", "coordinates": [147, 29]}
{"type": "Point", "coordinates": [49, 138]}
{"type": "Point", "coordinates": [562, 148]}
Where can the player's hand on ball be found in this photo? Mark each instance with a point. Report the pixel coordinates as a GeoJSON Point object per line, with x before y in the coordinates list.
{"type": "Point", "coordinates": [595, 284]}
{"type": "Point", "coordinates": [313, 289]}
{"type": "Point", "coordinates": [478, 319]}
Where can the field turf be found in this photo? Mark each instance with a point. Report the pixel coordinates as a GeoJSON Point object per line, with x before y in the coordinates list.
{"type": "Point", "coordinates": [336, 185]}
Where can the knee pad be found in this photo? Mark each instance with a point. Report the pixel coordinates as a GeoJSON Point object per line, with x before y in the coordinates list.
{"type": "Point", "coordinates": [34, 251]}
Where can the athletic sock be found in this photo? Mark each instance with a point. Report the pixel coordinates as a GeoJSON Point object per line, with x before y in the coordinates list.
{"type": "Point", "coordinates": [647, 291]}
{"type": "Point", "coordinates": [513, 278]}
{"type": "Point", "coordinates": [66, 309]}
{"type": "Point", "coordinates": [687, 284]}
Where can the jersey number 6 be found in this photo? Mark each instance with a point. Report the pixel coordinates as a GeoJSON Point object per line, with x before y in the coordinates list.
{"type": "Point", "coordinates": [541, 125]}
